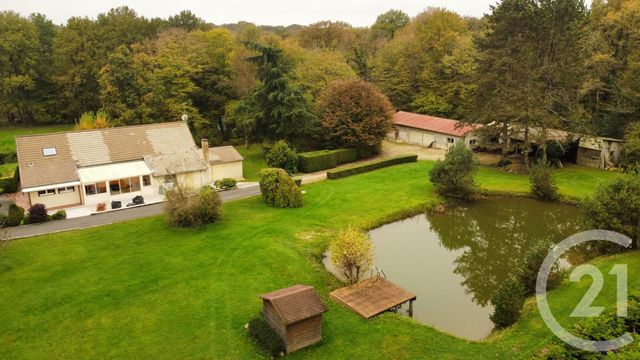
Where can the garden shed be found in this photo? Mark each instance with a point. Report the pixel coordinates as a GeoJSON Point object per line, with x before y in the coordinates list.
{"type": "Point", "coordinates": [295, 313]}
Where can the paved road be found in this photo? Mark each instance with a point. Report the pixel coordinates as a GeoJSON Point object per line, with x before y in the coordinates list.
{"type": "Point", "coordinates": [113, 216]}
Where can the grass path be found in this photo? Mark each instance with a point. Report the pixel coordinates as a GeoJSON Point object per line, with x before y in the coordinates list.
{"type": "Point", "coordinates": [143, 290]}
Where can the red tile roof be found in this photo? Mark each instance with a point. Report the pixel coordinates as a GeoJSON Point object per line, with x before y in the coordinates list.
{"type": "Point", "coordinates": [431, 123]}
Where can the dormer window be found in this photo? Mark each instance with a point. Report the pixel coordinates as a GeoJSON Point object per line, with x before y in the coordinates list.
{"type": "Point", "coordinates": [49, 151]}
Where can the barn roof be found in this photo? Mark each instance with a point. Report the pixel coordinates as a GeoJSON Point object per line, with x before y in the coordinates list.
{"type": "Point", "coordinates": [431, 123]}
{"type": "Point", "coordinates": [296, 303]}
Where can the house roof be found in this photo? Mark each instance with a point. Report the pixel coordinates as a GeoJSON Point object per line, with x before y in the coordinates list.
{"type": "Point", "coordinates": [296, 303]}
{"type": "Point", "coordinates": [224, 154]}
{"type": "Point", "coordinates": [176, 163]}
{"type": "Point", "coordinates": [95, 147]}
{"type": "Point", "coordinates": [432, 123]}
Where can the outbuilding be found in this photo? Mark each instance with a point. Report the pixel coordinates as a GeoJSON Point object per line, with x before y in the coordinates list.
{"type": "Point", "coordinates": [295, 314]}
{"type": "Point", "coordinates": [431, 131]}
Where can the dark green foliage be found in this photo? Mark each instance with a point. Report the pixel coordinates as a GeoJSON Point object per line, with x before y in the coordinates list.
{"type": "Point", "coordinates": [503, 162]}
{"type": "Point", "coordinates": [632, 145]}
{"type": "Point", "coordinates": [283, 157]}
{"type": "Point", "coordinates": [186, 207]}
{"type": "Point", "coordinates": [528, 275]}
{"type": "Point", "coordinates": [370, 166]}
{"type": "Point", "coordinates": [263, 335]}
{"type": "Point", "coordinates": [278, 189]}
{"type": "Point", "coordinates": [15, 216]}
{"type": "Point", "coordinates": [59, 215]}
{"type": "Point", "coordinates": [615, 206]}
{"type": "Point", "coordinates": [276, 109]}
{"type": "Point", "coordinates": [226, 183]}
{"type": "Point", "coordinates": [317, 160]}
{"type": "Point", "coordinates": [365, 152]}
{"type": "Point", "coordinates": [37, 214]}
{"type": "Point", "coordinates": [543, 184]}
{"type": "Point", "coordinates": [555, 150]}
{"type": "Point", "coordinates": [10, 184]}
{"type": "Point", "coordinates": [507, 301]}
{"type": "Point", "coordinates": [453, 177]}
{"type": "Point", "coordinates": [9, 157]}
{"type": "Point", "coordinates": [325, 159]}
{"type": "Point", "coordinates": [4, 221]}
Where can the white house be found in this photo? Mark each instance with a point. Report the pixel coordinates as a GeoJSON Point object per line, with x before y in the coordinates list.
{"type": "Point", "coordinates": [92, 167]}
{"type": "Point", "coordinates": [431, 131]}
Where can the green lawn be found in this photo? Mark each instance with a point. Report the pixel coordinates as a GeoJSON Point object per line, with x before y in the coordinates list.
{"type": "Point", "coordinates": [143, 290]}
{"type": "Point", "coordinates": [7, 142]}
{"type": "Point", "coordinates": [254, 161]}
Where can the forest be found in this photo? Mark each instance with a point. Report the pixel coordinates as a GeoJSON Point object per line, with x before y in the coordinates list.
{"type": "Point", "coordinates": [545, 63]}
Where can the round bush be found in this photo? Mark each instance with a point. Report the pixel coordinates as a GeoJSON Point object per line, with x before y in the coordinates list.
{"type": "Point", "coordinates": [187, 207]}
{"type": "Point", "coordinates": [59, 215]}
{"type": "Point", "coordinates": [283, 157]}
{"type": "Point", "coordinates": [226, 183]}
{"type": "Point", "coordinates": [543, 184]}
{"type": "Point", "coordinates": [453, 177]}
{"type": "Point", "coordinates": [38, 214]}
{"type": "Point", "coordinates": [16, 214]}
{"type": "Point", "coordinates": [279, 189]}
{"type": "Point", "coordinates": [4, 221]}
{"type": "Point", "coordinates": [507, 302]}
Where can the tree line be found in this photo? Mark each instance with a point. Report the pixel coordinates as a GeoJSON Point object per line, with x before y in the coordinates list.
{"type": "Point", "coordinates": [528, 63]}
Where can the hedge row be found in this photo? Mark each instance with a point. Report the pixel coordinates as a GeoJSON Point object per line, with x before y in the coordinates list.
{"type": "Point", "coordinates": [10, 184]}
{"type": "Point", "coordinates": [9, 157]}
{"type": "Point", "coordinates": [313, 161]}
{"type": "Point", "coordinates": [359, 169]}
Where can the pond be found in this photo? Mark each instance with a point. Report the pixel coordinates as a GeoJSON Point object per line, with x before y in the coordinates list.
{"type": "Point", "coordinates": [455, 260]}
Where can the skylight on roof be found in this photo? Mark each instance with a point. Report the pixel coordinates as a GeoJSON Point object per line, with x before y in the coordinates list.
{"type": "Point", "coordinates": [50, 151]}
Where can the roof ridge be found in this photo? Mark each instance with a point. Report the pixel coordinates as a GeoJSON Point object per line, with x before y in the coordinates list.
{"type": "Point", "coordinates": [100, 130]}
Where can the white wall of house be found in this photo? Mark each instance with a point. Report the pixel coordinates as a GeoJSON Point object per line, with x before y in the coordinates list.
{"type": "Point", "coordinates": [228, 170]}
{"type": "Point", "coordinates": [195, 179]}
{"type": "Point", "coordinates": [60, 198]}
{"type": "Point", "coordinates": [125, 198]}
{"type": "Point", "coordinates": [430, 139]}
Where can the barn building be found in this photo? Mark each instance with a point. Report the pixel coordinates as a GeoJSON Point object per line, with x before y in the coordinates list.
{"type": "Point", "coordinates": [431, 131]}
{"type": "Point", "coordinates": [295, 313]}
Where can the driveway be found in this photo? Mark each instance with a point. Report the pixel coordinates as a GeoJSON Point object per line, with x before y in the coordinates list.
{"type": "Point", "coordinates": [395, 148]}
{"type": "Point", "coordinates": [113, 216]}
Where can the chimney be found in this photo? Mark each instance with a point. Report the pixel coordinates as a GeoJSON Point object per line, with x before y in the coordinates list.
{"type": "Point", "coordinates": [205, 151]}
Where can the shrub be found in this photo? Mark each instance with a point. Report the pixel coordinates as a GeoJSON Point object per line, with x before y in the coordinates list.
{"type": "Point", "coordinates": [283, 157]}
{"type": "Point", "coordinates": [4, 221]}
{"type": "Point", "coordinates": [317, 160]}
{"type": "Point", "coordinates": [344, 156]}
{"type": "Point", "coordinates": [15, 216]}
{"type": "Point", "coordinates": [263, 335]}
{"type": "Point", "coordinates": [59, 215]}
{"type": "Point", "coordinates": [632, 144]}
{"type": "Point", "coordinates": [507, 301]}
{"type": "Point", "coordinates": [279, 189]}
{"type": "Point", "coordinates": [10, 184]}
{"type": "Point", "coordinates": [367, 151]}
{"type": "Point", "coordinates": [187, 207]}
{"type": "Point", "coordinates": [370, 166]}
{"type": "Point", "coordinates": [503, 162]}
{"type": "Point", "coordinates": [101, 206]}
{"type": "Point", "coordinates": [528, 274]}
{"type": "Point", "coordinates": [352, 253]}
{"type": "Point", "coordinates": [37, 214]}
{"type": "Point", "coordinates": [225, 184]}
{"type": "Point", "coordinates": [543, 184]}
{"type": "Point", "coordinates": [453, 177]}
{"type": "Point", "coordinates": [9, 157]}
{"type": "Point", "coordinates": [615, 206]}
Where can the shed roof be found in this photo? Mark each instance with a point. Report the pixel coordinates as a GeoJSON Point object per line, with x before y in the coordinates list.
{"type": "Point", "coordinates": [224, 154]}
{"type": "Point", "coordinates": [296, 303]}
{"type": "Point", "coordinates": [432, 123]}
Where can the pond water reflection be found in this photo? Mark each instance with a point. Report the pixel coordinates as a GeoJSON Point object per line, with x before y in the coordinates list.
{"type": "Point", "coordinates": [455, 260]}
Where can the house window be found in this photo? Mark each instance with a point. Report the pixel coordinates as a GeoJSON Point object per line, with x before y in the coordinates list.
{"type": "Point", "coordinates": [135, 183]}
{"type": "Point", "coordinates": [47, 192]}
{"type": "Point", "coordinates": [66, 189]}
{"type": "Point", "coordinates": [146, 180]}
{"type": "Point", "coordinates": [49, 151]}
{"type": "Point", "coordinates": [450, 140]}
{"type": "Point", "coordinates": [125, 186]}
{"type": "Point", "coordinates": [114, 187]}
{"type": "Point", "coordinates": [93, 189]}
{"type": "Point", "coordinates": [472, 142]}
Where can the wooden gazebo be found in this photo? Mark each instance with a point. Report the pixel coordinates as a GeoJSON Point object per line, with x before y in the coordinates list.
{"type": "Point", "coordinates": [295, 313]}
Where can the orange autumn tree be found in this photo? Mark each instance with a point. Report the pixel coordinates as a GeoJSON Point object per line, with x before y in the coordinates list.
{"type": "Point", "coordinates": [354, 114]}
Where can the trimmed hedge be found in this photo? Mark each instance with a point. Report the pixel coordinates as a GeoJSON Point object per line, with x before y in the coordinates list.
{"type": "Point", "coordinates": [313, 161]}
{"type": "Point", "coordinates": [9, 157]}
{"type": "Point", "coordinates": [10, 184]}
{"type": "Point", "coordinates": [16, 214]}
{"type": "Point", "coordinates": [363, 168]}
